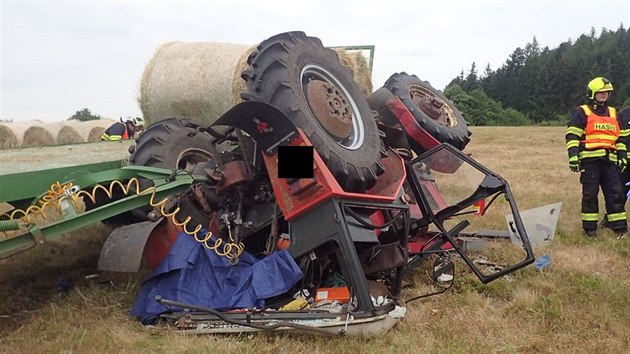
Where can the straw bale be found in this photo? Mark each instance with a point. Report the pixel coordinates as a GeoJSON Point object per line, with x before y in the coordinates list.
{"type": "Point", "coordinates": [191, 79]}
{"type": "Point", "coordinates": [69, 133]}
{"type": "Point", "coordinates": [95, 134]}
{"type": "Point", "coordinates": [8, 140]}
{"type": "Point", "coordinates": [91, 130]}
{"type": "Point", "coordinates": [53, 128]}
{"type": "Point", "coordinates": [238, 84]}
{"type": "Point", "coordinates": [358, 66]}
{"type": "Point", "coordinates": [37, 135]}
{"type": "Point", "coordinates": [12, 134]}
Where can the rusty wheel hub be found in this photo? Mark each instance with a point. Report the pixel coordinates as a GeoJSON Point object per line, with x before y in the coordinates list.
{"type": "Point", "coordinates": [330, 107]}
{"type": "Point", "coordinates": [433, 106]}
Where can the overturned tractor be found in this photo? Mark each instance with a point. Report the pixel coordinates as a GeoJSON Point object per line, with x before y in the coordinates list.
{"type": "Point", "coordinates": [304, 210]}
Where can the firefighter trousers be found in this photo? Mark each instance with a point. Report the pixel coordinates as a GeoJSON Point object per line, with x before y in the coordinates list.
{"type": "Point", "coordinates": [602, 173]}
{"type": "Point", "coordinates": [625, 178]}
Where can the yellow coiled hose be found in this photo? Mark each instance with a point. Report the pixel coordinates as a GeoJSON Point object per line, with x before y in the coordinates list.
{"type": "Point", "coordinates": [59, 192]}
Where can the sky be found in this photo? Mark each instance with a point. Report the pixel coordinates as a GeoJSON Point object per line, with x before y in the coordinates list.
{"type": "Point", "coordinates": [58, 57]}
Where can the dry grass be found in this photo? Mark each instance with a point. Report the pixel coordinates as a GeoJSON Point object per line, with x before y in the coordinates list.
{"type": "Point", "coordinates": [42, 158]}
{"type": "Point", "coordinates": [580, 305]}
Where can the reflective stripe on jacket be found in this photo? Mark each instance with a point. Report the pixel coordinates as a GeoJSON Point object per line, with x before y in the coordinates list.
{"type": "Point", "coordinates": [117, 131]}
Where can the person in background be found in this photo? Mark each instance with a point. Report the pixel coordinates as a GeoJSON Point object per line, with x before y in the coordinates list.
{"type": "Point", "coordinates": [624, 125]}
{"type": "Point", "coordinates": [597, 151]}
{"type": "Point", "coordinates": [123, 130]}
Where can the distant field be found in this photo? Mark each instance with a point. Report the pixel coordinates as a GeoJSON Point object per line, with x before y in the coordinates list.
{"type": "Point", "coordinates": [42, 158]}
{"type": "Point", "coordinates": [581, 305]}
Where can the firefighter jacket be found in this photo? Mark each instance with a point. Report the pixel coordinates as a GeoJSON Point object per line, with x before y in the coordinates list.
{"type": "Point", "coordinates": [117, 131]}
{"type": "Point", "coordinates": [596, 134]}
{"type": "Point", "coordinates": [624, 125]}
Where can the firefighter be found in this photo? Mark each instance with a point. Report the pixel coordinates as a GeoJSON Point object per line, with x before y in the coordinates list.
{"type": "Point", "coordinates": [624, 124]}
{"type": "Point", "coordinates": [596, 151]}
{"type": "Point", "coordinates": [123, 131]}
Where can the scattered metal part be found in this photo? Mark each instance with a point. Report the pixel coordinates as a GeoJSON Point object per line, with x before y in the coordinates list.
{"type": "Point", "coordinates": [493, 266]}
{"type": "Point", "coordinates": [471, 243]}
{"type": "Point", "coordinates": [185, 322]}
{"type": "Point", "coordinates": [200, 197]}
{"type": "Point", "coordinates": [123, 249]}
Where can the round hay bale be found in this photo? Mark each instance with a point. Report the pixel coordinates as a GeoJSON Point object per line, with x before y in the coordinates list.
{"type": "Point", "coordinates": [359, 67]}
{"type": "Point", "coordinates": [8, 140]}
{"type": "Point", "coordinates": [12, 134]}
{"type": "Point", "coordinates": [238, 84]}
{"type": "Point", "coordinates": [95, 134]}
{"type": "Point", "coordinates": [37, 135]}
{"type": "Point", "coordinates": [192, 79]}
{"type": "Point", "coordinates": [99, 125]}
{"type": "Point", "coordinates": [69, 133]}
{"type": "Point", "coordinates": [53, 128]}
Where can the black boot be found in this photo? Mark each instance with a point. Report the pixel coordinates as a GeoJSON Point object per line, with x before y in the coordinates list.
{"type": "Point", "coordinates": [591, 233]}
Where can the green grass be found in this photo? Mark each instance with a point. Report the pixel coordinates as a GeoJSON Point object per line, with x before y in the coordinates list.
{"type": "Point", "coordinates": [580, 305]}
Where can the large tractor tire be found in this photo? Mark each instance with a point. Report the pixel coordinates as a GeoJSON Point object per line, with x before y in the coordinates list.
{"type": "Point", "coordinates": [172, 143]}
{"type": "Point", "coordinates": [306, 81]}
{"type": "Point", "coordinates": [169, 143]}
{"type": "Point", "coordinates": [431, 109]}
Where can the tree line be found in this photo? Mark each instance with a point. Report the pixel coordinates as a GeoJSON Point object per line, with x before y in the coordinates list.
{"type": "Point", "coordinates": [542, 85]}
{"type": "Point", "coordinates": [84, 115]}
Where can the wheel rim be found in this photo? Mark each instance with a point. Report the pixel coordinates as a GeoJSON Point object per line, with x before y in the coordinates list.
{"type": "Point", "coordinates": [433, 106]}
{"type": "Point", "coordinates": [190, 158]}
{"type": "Point", "coordinates": [332, 106]}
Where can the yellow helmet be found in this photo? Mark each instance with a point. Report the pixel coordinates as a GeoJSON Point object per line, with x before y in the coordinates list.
{"type": "Point", "coordinates": [598, 84]}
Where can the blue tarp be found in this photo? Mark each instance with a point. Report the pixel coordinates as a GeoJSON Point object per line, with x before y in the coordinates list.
{"type": "Point", "coordinates": [193, 274]}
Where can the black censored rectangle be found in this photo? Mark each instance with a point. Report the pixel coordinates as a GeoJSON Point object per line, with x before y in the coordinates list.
{"type": "Point", "coordinates": [295, 162]}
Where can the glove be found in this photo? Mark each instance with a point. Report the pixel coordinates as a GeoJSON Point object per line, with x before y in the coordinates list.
{"type": "Point", "coordinates": [622, 162]}
{"type": "Point", "coordinates": [628, 194]}
{"type": "Point", "coordinates": [574, 164]}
